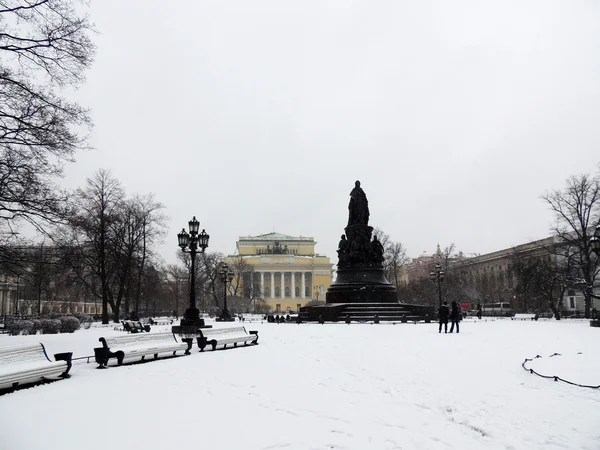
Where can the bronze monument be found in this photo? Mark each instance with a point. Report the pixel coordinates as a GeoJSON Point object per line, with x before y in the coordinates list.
{"type": "Point", "coordinates": [360, 276]}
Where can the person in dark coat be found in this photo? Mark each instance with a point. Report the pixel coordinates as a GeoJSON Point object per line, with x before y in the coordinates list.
{"type": "Point", "coordinates": [454, 316]}
{"type": "Point", "coordinates": [443, 314]}
{"type": "Point", "coordinates": [478, 311]}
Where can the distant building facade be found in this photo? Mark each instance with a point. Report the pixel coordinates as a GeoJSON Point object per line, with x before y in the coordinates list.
{"type": "Point", "coordinates": [490, 277]}
{"type": "Point", "coordinates": [283, 270]}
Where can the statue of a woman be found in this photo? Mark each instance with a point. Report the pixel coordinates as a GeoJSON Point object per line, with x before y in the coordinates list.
{"type": "Point", "coordinates": [358, 207]}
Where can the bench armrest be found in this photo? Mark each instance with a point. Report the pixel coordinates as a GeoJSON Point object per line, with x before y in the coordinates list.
{"type": "Point", "coordinates": [67, 357]}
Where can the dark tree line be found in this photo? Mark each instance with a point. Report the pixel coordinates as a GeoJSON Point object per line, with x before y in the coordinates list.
{"type": "Point", "coordinates": [110, 240]}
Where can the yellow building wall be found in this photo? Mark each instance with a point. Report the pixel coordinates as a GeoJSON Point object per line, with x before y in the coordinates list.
{"type": "Point", "coordinates": [298, 255]}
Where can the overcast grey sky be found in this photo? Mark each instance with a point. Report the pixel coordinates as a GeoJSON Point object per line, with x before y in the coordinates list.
{"type": "Point", "coordinates": [258, 116]}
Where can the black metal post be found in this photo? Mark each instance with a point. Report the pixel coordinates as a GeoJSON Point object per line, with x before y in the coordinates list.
{"type": "Point", "coordinates": [438, 276]}
{"type": "Point", "coordinates": [193, 276]}
{"type": "Point", "coordinates": [595, 245]}
{"type": "Point", "coordinates": [190, 243]}
{"type": "Point", "coordinates": [225, 310]}
{"type": "Point", "coordinates": [226, 275]}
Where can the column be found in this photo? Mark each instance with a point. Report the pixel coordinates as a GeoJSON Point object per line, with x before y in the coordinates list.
{"type": "Point", "coordinates": [272, 284]}
{"type": "Point", "coordinates": [303, 289]}
{"type": "Point", "coordinates": [293, 284]}
{"type": "Point", "coordinates": [262, 284]}
{"type": "Point", "coordinates": [282, 285]}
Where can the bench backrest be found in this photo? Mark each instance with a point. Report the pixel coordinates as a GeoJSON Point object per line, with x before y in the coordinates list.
{"type": "Point", "coordinates": [524, 316]}
{"type": "Point", "coordinates": [215, 332]}
{"type": "Point", "coordinates": [133, 339]}
{"type": "Point", "coordinates": [22, 353]}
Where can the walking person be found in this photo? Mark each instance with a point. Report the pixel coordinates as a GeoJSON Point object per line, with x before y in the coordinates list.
{"type": "Point", "coordinates": [443, 314]}
{"type": "Point", "coordinates": [454, 316]}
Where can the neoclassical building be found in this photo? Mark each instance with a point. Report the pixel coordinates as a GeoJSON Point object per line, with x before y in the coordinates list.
{"type": "Point", "coordinates": [283, 270]}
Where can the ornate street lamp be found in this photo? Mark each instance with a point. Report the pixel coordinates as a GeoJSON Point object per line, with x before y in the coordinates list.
{"type": "Point", "coordinates": [595, 241]}
{"type": "Point", "coordinates": [192, 243]}
{"type": "Point", "coordinates": [595, 244]}
{"type": "Point", "coordinates": [438, 276]}
{"type": "Point", "coordinates": [226, 275]}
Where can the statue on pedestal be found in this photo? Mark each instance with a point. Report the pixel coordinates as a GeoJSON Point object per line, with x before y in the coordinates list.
{"type": "Point", "coordinates": [358, 207]}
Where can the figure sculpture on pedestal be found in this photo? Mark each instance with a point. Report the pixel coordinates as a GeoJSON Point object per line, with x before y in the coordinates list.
{"type": "Point", "coordinates": [343, 248]}
{"type": "Point", "coordinates": [358, 207]}
{"type": "Point", "coordinates": [377, 251]}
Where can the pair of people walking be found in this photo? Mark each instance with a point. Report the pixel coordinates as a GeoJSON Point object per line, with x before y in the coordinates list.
{"type": "Point", "coordinates": [446, 312]}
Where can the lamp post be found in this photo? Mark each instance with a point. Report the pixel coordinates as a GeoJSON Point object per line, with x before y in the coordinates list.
{"type": "Point", "coordinates": [226, 275]}
{"type": "Point", "coordinates": [192, 243]}
{"type": "Point", "coordinates": [438, 276]}
{"type": "Point", "coordinates": [595, 244]}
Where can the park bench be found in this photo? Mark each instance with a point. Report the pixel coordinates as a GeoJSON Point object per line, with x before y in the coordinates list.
{"type": "Point", "coordinates": [135, 326]}
{"type": "Point", "coordinates": [24, 364]}
{"type": "Point", "coordinates": [225, 336]}
{"type": "Point", "coordinates": [160, 321]}
{"type": "Point", "coordinates": [525, 317]}
{"type": "Point", "coordinates": [137, 348]}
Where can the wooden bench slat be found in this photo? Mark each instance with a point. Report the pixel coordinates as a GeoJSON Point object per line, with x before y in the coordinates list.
{"type": "Point", "coordinates": [139, 346]}
{"type": "Point", "coordinates": [29, 364]}
{"type": "Point", "coordinates": [225, 336]}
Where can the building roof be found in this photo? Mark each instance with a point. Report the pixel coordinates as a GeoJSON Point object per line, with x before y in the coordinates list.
{"type": "Point", "coordinates": [275, 237]}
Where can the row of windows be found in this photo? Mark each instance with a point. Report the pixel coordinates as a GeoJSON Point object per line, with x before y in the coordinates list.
{"type": "Point", "coordinates": [286, 292]}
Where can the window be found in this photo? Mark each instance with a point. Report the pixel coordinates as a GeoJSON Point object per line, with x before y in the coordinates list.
{"type": "Point", "coordinates": [277, 292]}
{"type": "Point", "coordinates": [297, 291]}
{"type": "Point", "coordinates": [572, 302]}
{"type": "Point", "coordinates": [267, 291]}
{"type": "Point", "coordinates": [287, 291]}
{"type": "Point", "coordinates": [307, 291]}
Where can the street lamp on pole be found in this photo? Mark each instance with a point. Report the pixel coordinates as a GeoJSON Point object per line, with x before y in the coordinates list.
{"type": "Point", "coordinates": [193, 243]}
{"type": "Point", "coordinates": [226, 275]}
{"type": "Point", "coordinates": [438, 276]}
{"type": "Point", "coordinates": [595, 244]}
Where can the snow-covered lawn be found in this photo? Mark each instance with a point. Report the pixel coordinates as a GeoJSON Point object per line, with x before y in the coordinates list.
{"type": "Point", "coordinates": [335, 386]}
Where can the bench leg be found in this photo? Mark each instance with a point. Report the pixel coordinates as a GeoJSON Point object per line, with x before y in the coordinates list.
{"type": "Point", "coordinates": [156, 356]}
{"type": "Point", "coordinates": [235, 344]}
{"type": "Point", "coordinates": [213, 343]}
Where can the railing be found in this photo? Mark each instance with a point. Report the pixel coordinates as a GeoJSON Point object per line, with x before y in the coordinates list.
{"type": "Point", "coordinates": [554, 377]}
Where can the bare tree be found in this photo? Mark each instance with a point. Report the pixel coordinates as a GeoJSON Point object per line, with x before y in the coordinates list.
{"type": "Point", "coordinates": [177, 278]}
{"type": "Point", "coordinates": [91, 237]}
{"type": "Point", "coordinates": [577, 212]}
{"type": "Point", "coordinates": [394, 257]}
{"type": "Point", "coordinates": [44, 47]}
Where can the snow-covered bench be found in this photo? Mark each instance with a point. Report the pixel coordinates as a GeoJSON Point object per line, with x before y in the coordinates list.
{"type": "Point", "coordinates": [138, 347]}
{"type": "Point", "coordinates": [24, 364]}
{"type": "Point", "coordinates": [525, 317]}
{"type": "Point", "coordinates": [135, 326]}
{"type": "Point", "coordinates": [225, 336]}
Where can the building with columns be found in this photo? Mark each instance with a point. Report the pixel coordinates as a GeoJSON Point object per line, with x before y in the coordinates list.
{"type": "Point", "coordinates": [9, 288]}
{"type": "Point", "coordinates": [283, 270]}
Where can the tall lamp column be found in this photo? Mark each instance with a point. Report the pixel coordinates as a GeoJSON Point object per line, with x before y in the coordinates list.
{"type": "Point", "coordinates": [438, 276]}
{"type": "Point", "coordinates": [226, 275]}
{"type": "Point", "coordinates": [595, 244]}
{"type": "Point", "coordinates": [192, 243]}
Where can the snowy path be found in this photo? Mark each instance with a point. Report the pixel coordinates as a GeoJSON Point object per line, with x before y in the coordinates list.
{"type": "Point", "coordinates": [325, 387]}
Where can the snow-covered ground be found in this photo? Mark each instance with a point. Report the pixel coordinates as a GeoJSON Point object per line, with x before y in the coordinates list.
{"type": "Point", "coordinates": [333, 386]}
